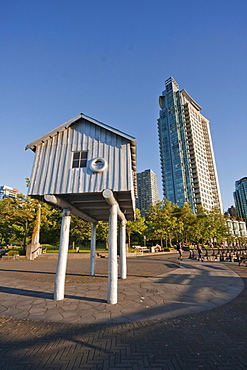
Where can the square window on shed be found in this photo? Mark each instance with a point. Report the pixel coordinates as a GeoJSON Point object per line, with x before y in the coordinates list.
{"type": "Point", "coordinates": [79, 159]}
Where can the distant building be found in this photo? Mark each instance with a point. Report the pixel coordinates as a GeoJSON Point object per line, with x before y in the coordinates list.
{"type": "Point", "coordinates": [232, 211]}
{"type": "Point", "coordinates": [240, 198]}
{"type": "Point", "coordinates": [147, 189]}
{"type": "Point", "coordinates": [186, 152]}
{"type": "Point", "coordinates": [7, 192]}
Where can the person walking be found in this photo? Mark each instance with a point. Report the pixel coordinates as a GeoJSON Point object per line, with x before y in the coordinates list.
{"type": "Point", "coordinates": [199, 251]}
{"type": "Point", "coordinates": [180, 250]}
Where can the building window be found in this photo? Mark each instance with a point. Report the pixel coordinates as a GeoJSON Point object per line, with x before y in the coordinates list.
{"type": "Point", "coordinates": [79, 159]}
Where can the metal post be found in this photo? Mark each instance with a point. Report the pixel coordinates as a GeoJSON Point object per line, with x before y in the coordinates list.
{"type": "Point", "coordinates": [112, 256]}
{"type": "Point", "coordinates": [62, 256]}
{"type": "Point", "coordinates": [123, 265]}
{"type": "Point", "coordinates": [93, 250]}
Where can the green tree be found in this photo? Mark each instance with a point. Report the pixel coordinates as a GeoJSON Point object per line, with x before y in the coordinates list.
{"type": "Point", "coordinates": [102, 229]}
{"type": "Point", "coordinates": [17, 216]}
{"type": "Point", "coordinates": [161, 222]}
{"type": "Point", "coordinates": [80, 230]}
{"type": "Point", "coordinates": [199, 226]}
{"type": "Point", "coordinates": [27, 179]}
{"type": "Point", "coordinates": [210, 225]}
{"type": "Point", "coordinates": [50, 225]}
{"type": "Point", "coordinates": [138, 226]}
{"type": "Point", "coordinates": [186, 220]}
{"type": "Point", "coordinates": [216, 227]}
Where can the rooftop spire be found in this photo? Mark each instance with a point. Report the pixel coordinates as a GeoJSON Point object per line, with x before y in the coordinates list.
{"type": "Point", "coordinates": [171, 84]}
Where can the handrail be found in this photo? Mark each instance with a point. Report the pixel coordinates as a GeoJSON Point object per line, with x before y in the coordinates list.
{"type": "Point", "coordinates": [37, 249]}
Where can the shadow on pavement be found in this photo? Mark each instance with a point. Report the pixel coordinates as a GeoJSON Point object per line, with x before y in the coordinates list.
{"type": "Point", "coordinates": [45, 295]}
{"type": "Point", "coordinates": [215, 339]}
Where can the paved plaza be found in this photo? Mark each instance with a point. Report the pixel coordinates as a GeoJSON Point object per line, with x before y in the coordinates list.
{"type": "Point", "coordinates": [170, 315]}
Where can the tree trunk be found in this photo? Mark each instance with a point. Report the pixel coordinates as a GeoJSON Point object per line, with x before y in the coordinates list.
{"type": "Point", "coordinates": [25, 235]}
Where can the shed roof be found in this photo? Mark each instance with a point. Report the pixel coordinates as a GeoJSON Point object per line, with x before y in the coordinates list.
{"type": "Point", "coordinates": [72, 121]}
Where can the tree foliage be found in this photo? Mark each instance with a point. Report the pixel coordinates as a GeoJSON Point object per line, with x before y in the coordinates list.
{"type": "Point", "coordinates": [102, 232]}
{"type": "Point", "coordinates": [16, 219]}
{"type": "Point", "coordinates": [165, 223]}
{"type": "Point", "coordinates": [188, 223]}
{"type": "Point", "coordinates": [162, 222]}
{"type": "Point", "coordinates": [80, 230]}
{"type": "Point", "coordinates": [17, 216]}
{"type": "Point", "coordinates": [138, 226]}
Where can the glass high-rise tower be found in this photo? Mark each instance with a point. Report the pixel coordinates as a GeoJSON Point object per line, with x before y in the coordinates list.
{"type": "Point", "coordinates": [186, 153]}
{"type": "Point", "coordinates": [240, 198]}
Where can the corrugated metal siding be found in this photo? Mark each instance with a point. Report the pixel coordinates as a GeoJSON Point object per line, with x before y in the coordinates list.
{"type": "Point", "coordinates": [52, 170]}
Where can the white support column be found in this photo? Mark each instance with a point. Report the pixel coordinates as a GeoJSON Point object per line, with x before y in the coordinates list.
{"type": "Point", "coordinates": [62, 256]}
{"type": "Point", "coordinates": [123, 264]}
{"type": "Point", "coordinates": [93, 250]}
{"type": "Point", "coordinates": [112, 256]}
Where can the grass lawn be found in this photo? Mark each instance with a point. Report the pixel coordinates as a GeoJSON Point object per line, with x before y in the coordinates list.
{"type": "Point", "coordinates": [84, 249]}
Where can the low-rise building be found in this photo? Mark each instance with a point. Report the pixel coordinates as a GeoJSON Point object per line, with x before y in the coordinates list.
{"type": "Point", "coordinates": [237, 227]}
{"type": "Point", "coordinates": [7, 192]}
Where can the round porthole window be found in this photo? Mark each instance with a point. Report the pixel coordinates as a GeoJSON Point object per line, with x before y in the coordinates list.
{"type": "Point", "coordinates": [98, 165]}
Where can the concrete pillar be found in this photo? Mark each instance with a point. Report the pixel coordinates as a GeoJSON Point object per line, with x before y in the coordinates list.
{"type": "Point", "coordinates": [123, 264]}
{"type": "Point", "coordinates": [62, 256]}
{"type": "Point", "coordinates": [112, 256]}
{"type": "Point", "coordinates": [93, 250]}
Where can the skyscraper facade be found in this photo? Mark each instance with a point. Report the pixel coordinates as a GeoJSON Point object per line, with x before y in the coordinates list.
{"type": "Point", "coordinates": [147, 187]}
{"type": "Point", "coordinates": [240, 198]}
{"type": "Point", "coordinates": [186, 153]}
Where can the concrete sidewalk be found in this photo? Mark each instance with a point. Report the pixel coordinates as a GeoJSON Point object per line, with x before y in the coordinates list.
{"type": "Point", "coordinates": [156, 324]}
{"type": "Point", "coordinates": [184, 288]}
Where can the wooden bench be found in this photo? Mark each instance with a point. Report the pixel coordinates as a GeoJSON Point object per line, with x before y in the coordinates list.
{"type": "Point", "coordinates": [142, 249]}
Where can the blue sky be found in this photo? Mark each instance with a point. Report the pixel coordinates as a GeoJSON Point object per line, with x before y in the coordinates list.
{"type": "Point", "coordinates": [109, 60]}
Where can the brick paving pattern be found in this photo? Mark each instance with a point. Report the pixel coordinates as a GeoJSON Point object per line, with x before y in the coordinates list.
{"type": "Point", "coordinates": [212, 339]}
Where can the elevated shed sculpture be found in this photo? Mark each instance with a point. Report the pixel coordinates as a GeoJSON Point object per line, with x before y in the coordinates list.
{"type": "Point", "coordinates": [87, 168]}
